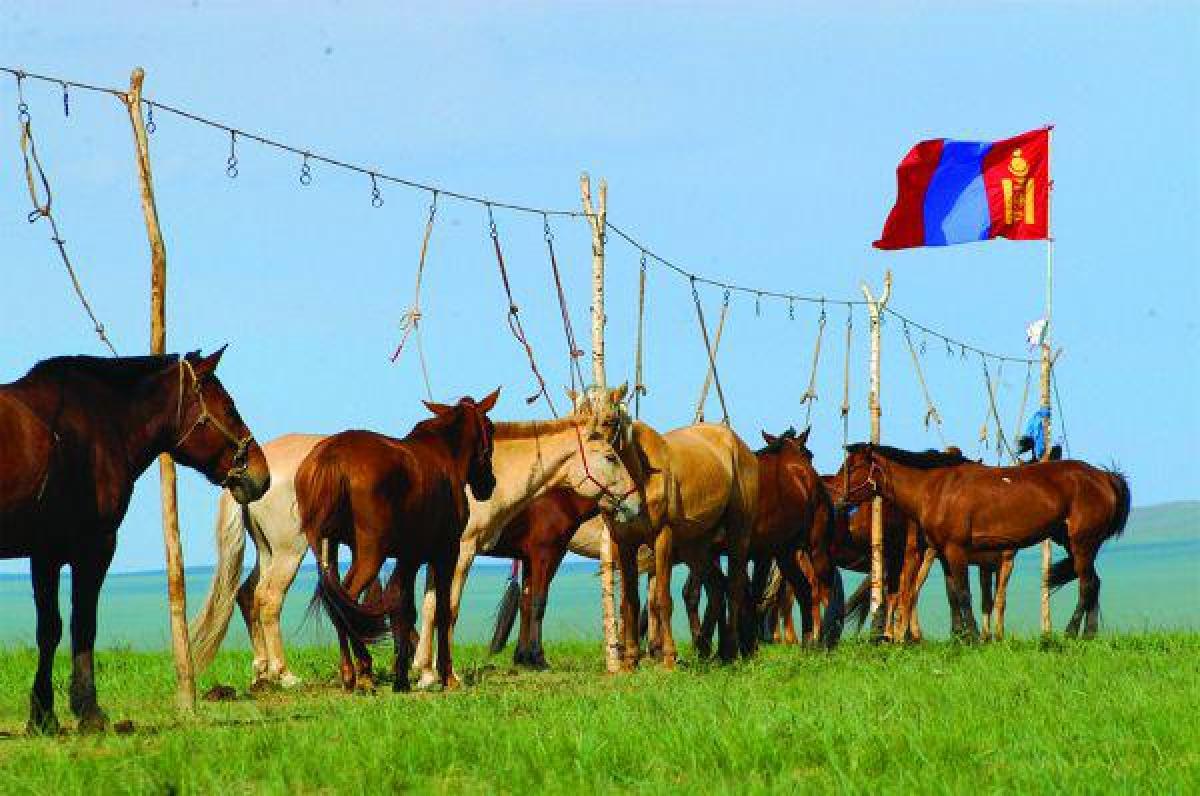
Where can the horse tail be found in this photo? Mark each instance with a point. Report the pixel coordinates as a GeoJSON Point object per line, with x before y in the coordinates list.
{"type": "Point", "coordinates": [834, 619]}
{"type": "Point", "coordinates": [1062, 572]}
{"type": "Point", "coordinates": [211, 623]}
{"type": "Point", "coordinates": [1120, 482]}
{"type": "Point", "coordinates": [859, 604]}
{"type": "Point", "coordinates": [506, 615]}
{"type": "Point", "coordinates": [324, 511]}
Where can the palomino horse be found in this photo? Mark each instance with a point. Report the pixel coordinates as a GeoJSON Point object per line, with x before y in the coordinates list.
{"type": "Point", "coordinates": [394, 498]}
{"type": "Point", "coordinates": [538, 538]}
{"type": "Point", "coordinates": [794, 529]}
{"type": "Point", "coordinates": [528, 459]}
{"type": "Point", "coordinates": [699, 485]}
{"type": "Point", "coordinates": [76, 433]}
{"type": "Point", "coordinates": [962, 506]}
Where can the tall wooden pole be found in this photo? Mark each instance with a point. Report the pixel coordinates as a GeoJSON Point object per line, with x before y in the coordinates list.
{"type": "Point", "coordinates": [1047, 364]}
{"type": "Point", "coordinates": [176, 592]}
{"type": "Point", "coordinates": [597, 215]}
{"type": "Point", "coordinates": [875, 309]}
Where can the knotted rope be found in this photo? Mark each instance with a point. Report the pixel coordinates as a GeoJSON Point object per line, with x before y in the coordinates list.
{"type": "Point", "coordinates": [639, 385]}
{"type": "Point", "coordinates": [710, 349]}
{"type": "Point", "coordinates": [931, 413]}
{"type": "Point", "coordinates": [810, 393]}
{"type": "Point", "coordinates": [410, 322]}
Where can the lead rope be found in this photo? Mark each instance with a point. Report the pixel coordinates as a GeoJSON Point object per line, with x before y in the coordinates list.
{"type": "Point", "coordinates": [712, 361]}
{"type": "Point", "coordinates": [846, 399]}
{"type": "Point", "coordinates": [514, 319]}
{"type": "Point", "coordinates": [639, 386]}
{"type": "Point", "coordinates": [1001, 438]}
{"type": "Point", "coordinates": [931, 413]}
{"type": "Point", "coordinates": [810, 394]}
{"type": "Point", "coordinates": [41, 209]}
{"type": "Point", "coordinates": [574, 352]}
{"type": "Point", "coordinates": [708, 372]}
{"type": "Point", "coordinates": [410, 322]}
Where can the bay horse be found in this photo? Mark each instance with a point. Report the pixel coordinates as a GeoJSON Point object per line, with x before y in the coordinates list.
{"type": "Point", "coordinates": [529, 458]}
{"type": "Point", "coordinates": [393, 498]}
{"type": "Point", "coordinates": [794, 528]}
{"type": "Point", "coordinates": [962, 506]}
{"type": "Point", "coordinates": [699, 486]}
{"type": "Point", "coordinates": [538, 539]}
{"type": "Point", "coordinates": [76, 432]}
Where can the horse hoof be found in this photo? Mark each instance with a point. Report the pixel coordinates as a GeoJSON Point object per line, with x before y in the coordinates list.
{"type": "Point", "coordinates": [93, 721]}
{"type": "Point", "coordinates": [44, 725]}
{"type": "Point", "coordinates": [401, 685]}
{"type": "Point", "coordinates": [427, 681]}
{"type": "Point", "coordinates": [668, 663]}
{"type": "Point", "coordinates": [288, 681]}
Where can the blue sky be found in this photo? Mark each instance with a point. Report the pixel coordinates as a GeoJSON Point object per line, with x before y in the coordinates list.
{"type": "Point", "coordinates": [755, 142]}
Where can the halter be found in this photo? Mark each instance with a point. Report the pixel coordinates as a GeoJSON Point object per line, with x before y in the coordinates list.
{"type": "Point", "coordinates": [869, 483]}
{"type": "Point", "coordinates": [622, 415]}
{"type": "Point", "coordinates": [241, 445]}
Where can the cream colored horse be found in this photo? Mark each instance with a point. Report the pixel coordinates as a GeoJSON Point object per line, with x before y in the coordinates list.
{"type": "Point", "coordinates": [697, 483]}
{"type": "Point", "coordinates": [528, 459]}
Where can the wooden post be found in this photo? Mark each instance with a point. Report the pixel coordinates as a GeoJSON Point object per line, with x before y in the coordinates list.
{"type": "Point", "coordinates": [176, 592]}
{"type": "Point", "coordinates": [597, 216]}
{"type": "Point", "coordinates": [875, 309]}
{"type": "Point", "coordinates": [1047, 364]}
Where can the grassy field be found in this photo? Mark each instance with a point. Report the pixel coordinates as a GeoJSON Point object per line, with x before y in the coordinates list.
{"type": "Point", "coordinates": [1117, 714]}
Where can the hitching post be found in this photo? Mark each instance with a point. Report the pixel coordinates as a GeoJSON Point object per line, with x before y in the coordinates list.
{"type": "Point", "coordinates": [875, 309]}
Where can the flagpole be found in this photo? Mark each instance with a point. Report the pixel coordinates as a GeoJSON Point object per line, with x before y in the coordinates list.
{"type": "Point", "coordinates": [1047, 624]}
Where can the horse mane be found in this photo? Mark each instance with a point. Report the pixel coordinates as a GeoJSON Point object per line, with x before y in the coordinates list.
{"type": "Point", "coordinates": [529, 429]}
{"type": "Point", "coordinates": [118, 372]}
{"type": "Point", "coordinates": [920, 460]}
{"type": "Point", "coordinates": [779, 442]}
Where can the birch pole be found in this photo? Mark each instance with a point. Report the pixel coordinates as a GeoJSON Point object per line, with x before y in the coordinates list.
{"type": "Point", "coordinates": [1047, 364]}
{"type": "Point", "coordinates": [597, 216]}
{"type": "Point", "coordinates": [875, 309]}
{"type": "Point", "coordinates": [185, 695]}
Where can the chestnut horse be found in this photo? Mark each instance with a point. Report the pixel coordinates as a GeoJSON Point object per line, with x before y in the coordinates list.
{"type": "Point", "coordinates": [794, 529]}
{"type": "Point", "coordinates": [699, 485]}
{"type": "Point", "coordinates": [393, 498]}
{"type": "Point", "coordinates": [528, 459]}
{"type": "Point", "coordinates": [76, 432]}
{"type": "Point", "coordinates": [964, 506]}
{"type": "Point", "coordinates": [538, 538]}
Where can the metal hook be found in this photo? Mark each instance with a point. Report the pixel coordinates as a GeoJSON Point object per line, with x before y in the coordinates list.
{"type": "Point", "coordinates": [305, 171]}
{"type": "Point", "coordinates": [791, 309]}
{"type": "Point", "coordinates": [150, 125]}
{"type": "Point", "coordinates": [231, 164]}
{"type": "Point", "coordinates": [376, 196]}
{"type": "Point", "coordinates": [725, 300]}
{"type": "Point", "coordinates": [821, 317]}
{"type": "Point", "coordinates": [22, 106]}
{"type": "Point", "coordinates": [66, 100]}
{"type": "Point", "coordinates": [758, 304]}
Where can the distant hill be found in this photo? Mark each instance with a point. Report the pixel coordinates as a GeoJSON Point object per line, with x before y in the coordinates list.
{"type": "Point", "coordinates": [1164, 522]}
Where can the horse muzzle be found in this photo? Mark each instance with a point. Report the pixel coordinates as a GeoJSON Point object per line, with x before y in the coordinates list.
{"type": "Point", "coordinates": [250, 485]}
{"type": "Point", "coordinates": [627, 508]}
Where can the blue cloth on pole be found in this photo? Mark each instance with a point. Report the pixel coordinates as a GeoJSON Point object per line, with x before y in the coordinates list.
{"type": "Point", "coordinates": [1036, 431]}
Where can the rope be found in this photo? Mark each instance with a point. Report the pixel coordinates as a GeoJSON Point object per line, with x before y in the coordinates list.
{"type": "Point", "coordinates": [1001, 438]}
{"type": "Point", "coordinates": [574, 352]}
{"type": "Point", "coordinates": [810, 394]}
{"type": "Point", "coordinates": [846, 396]}
{"type": "Point", "coordinates": [712, 360]}
{"type": "Point", "coordinates": [1024, 401]}
{"type": "Point", "coordinates": [411, 320]}
{"type": "Point", "coordinates": [639, 385]}
{"type": "Point", "coordinates": [708, 372]}
{"type": "Point", "coordinates": [514, 319]}
{"type": "Point", "coordinates": [41, 209]}
{"type": "Point", "coordinates": [1062, 422]}
{"type": "Point", "coordinates": [931, 412]}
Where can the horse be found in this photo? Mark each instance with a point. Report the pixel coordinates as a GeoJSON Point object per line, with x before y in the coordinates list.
{"type": "Point", "coordinates": [963, 506]}
{"type": "Point", "coordinates": [76, 433]}
{"type": "Point", "coordinates": [393, 498]}
{"type": "Point", "coordinates": [528, 459]}
{"type": "Point", "coordinates": [537, 539]}
{"type": "Point", "coordinates": [794, 529]}
{"type": "Point", "coordinates": [699, 486]}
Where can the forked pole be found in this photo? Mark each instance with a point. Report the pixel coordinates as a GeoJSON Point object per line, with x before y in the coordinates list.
{"type": "Point", "coordinates": [597, 216]}
{"type": "Point", "coordinates": [875, 308]}
{"type": "Point", "coordinates": [185, 695]}
{"type": "Point", "coordinates": [1047, 365]}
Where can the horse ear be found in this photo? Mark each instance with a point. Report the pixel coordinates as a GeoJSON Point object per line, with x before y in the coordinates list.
{"type": "Point", "coordinates": [209, 363]}
{"type": "Point", "coordinates": [489, 403]}
{"type": "Point", "coordinates": [618, 394]}
{"type": "Point", "coordinates": [803, 438]}
{"type": "Point", "coordinates": [436, 408]}
{"type": "Point", "coordinates": [768, 438]}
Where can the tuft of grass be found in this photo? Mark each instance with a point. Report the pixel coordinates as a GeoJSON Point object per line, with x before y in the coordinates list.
{"type": "Point", "coordinates": [1116, 713]}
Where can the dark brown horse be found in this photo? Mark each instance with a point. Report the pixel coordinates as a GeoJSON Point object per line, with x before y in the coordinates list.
{"type": "Point", "coordinates": [394, 498]}
{"type": "Point", "coordinates": [75, 433]}
{"type": "Point", "coordinates": [964, 506]}
{"type": "Point", "coordinates": [794, 529]}
{"type": "Point", "coordinates": [538, 539]}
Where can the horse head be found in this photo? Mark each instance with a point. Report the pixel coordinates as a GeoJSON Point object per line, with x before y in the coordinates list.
{"type": "Point", "coordinates": [477, 435]}
{"type": "Point", "coordinates": [606, 427]}
{"type": "Point", "coordinates": [211, 436]}
{"type": "Point", "coordinates": [861, 476]}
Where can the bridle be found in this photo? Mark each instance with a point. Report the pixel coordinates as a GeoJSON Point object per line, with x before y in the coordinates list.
{"type": "Point", "coordinates": [871, 483]}
{"type": "Point", "coordinates": [241, 445]}
{"type": "Point", "coordinates": [617, 500]}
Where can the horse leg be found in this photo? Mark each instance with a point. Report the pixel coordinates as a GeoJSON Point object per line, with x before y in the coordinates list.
{"type": "Point", "coordinates": [363, 570]}
{"type": "Point", "coordinates": [986, 600]}
{"type": "Point", "coordinates": [445, 614]}
{"type": "Point", "coordinates": [958, 590]}
{"type": "Point", "coordinates": [806, 595]}
{"type": "Point", "coordinates": [716, 593]}
{"type": "Point", "coordinates": [691, 603]}
{"type": "Point", "coordinates": [786, 598]}
{"type": "Point", "coordinates": [793, 575]}
{"type": "Point", "coordinates": [545, 564]}
{"type": "Point", "coordinates": [246, 602]}
{"type": "Point", "coordinates": [648, 621]}
{"type": "Point", "coordinates": [521, 655]}
{"type": "Point", "coordinates": [663, 557]}
{"type": "Point", "coordinates": [759, 577]}
{"type": "Point", "coordinates": [272, 588]}
{"type": "Point", "coordinates": [87, 576]}
{"type": "Point", "coordinates": [914, 615]}
{"type": "Point", "coordinates": [1003, 573]}
{"type": "Point", "coordinates": [465, 557]}
{"type": "Point", "coordinates": [42, 720]}
{"type": "Point", "coordinates": [631, 644]}
{"type": "Point", "coordinates": [399, 593]}
{"type": "Point", "coordinates": [1088, 607]}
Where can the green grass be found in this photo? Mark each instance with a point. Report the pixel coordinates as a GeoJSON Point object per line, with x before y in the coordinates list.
{"type": "Point", "coordinates": [1118, 713]}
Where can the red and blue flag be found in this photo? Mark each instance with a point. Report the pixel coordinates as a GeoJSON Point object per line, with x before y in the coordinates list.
{"type": "Point", "coordinates": [963, 191]}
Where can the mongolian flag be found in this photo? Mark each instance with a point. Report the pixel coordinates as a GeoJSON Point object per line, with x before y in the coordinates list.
{"type": "Point", "coordinates": [964, 191]}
